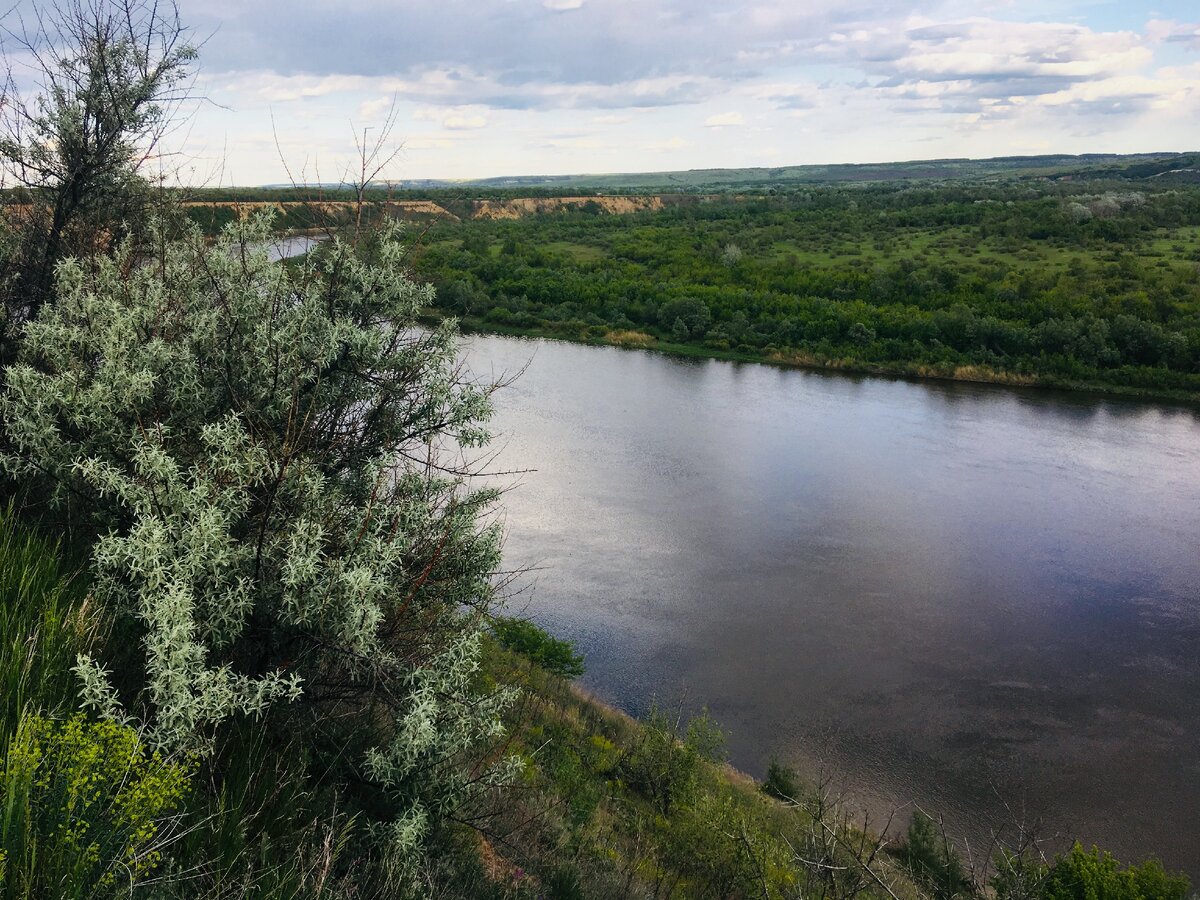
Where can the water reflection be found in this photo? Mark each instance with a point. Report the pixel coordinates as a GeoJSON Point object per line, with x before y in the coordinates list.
{"type": "Point", "coordinates": [292, 245]}
{"type": "Point", "coordinates": [948, 593]}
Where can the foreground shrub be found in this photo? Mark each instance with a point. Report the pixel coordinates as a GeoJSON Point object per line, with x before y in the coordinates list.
{"type": "Point", "coordinates": [781, 782]}
{"type": "Point", "coordinates": [665, 765]}
{"type": "Point", "coordinates": [271, 462]}
{"type": "Point", "coordinates": [82, 809]}
{"type": "Point", "coordinates": [932, 859]}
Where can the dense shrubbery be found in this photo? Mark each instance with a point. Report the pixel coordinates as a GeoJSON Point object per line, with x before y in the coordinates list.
{"type": "Point", "coordinates": [265, 468]}
{"type": "Point", "coordinates": [1085, 875]}
{"type": "Point", "coordinates": [1025, 874]}
{"type": "Point", "coordinates": [987, 281]}
{"type": "Point", "coordinates": [82, 809]}
{"type": "Point", "coordinates": [930, 856]}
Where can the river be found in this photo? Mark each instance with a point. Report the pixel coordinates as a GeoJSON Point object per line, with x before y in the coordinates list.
{"type": "Point", "coordinates": [980, 600]}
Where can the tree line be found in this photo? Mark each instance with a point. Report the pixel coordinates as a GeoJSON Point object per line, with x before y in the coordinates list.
{"type": "Point", "coordinates": [1086, 283]}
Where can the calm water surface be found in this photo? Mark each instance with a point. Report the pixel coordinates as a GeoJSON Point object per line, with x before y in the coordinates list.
{"type": "Point", "coordinates": [291, 245]}
{"type": "Point", "coordinates": [983, 601]}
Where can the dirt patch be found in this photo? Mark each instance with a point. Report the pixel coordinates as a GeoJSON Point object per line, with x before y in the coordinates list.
{"type": "Point", "coordinates": [402, 208]}
{"type": "Point", "coordinates": [520, 207]}
{"type": "Point", "coordinates": [498, 869]}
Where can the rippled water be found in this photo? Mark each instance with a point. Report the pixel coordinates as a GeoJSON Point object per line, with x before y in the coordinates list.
{"type": "Point", "coordinates": [981, 600]}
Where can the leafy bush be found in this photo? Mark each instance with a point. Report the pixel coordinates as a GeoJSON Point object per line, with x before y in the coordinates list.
{"type": "Point", "coordinates": [256, 449]}
{"type": "Point", "coordinates": [931, 858]}
{"type": "Point", "coordinates": [82, 809]}
{"type": "Point", "coordinates": [725, 849]}
{"type": "Point", "coordinates": [666, 763]}
{"type": "Point", "coordinates": [1087, 875]}
{"type": "Point", "coordinates": [552, 654]}
{"type": "Point", "coordinates": [781, 782]}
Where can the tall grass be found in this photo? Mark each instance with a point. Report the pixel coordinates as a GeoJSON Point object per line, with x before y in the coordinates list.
{"type": "Point", "coordinates": [83, 805]}
{"type": "Point", "coordinates": [46, 620]}
{"type": "Point", "coordinates": [86, 809]}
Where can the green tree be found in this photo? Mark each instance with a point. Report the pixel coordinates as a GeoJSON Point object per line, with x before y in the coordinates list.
{"type": "Point", "coordinates": [108, 76]}
{"type": "Point", "coordinates": [930, 856]}
{"type": "Point", "coordinates": [665, 766]}
{"type": "Point", "coordinates": [552, 654]}
{"type": "Point", "coordinates": [1096, 875]}
{"type": "Point", "coordinates": [694, 314]}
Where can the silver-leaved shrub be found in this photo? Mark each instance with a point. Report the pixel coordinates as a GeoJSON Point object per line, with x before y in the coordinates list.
{"type": "Point", "coordinates": [270, 459]}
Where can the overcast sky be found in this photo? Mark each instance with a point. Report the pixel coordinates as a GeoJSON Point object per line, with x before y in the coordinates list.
{"type": "Point", "coordinates": [497, 87]}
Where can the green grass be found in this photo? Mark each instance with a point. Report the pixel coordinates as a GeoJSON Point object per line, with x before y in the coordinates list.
{"type": "Point", "coordinates": [609, 806]}
{"type": "Point", "coordinates": [580, 253]}
{"type": "Point", "coordinates": [45, 622]}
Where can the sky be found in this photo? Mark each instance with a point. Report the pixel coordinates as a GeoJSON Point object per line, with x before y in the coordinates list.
{"type": "Point", "coordinates": [485, 88]}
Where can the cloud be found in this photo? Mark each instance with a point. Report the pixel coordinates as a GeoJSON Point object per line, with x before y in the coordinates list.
{"type": "Point", "coordinates": [457, 122]}
{"type": "Point", "coordinates": [520, 42]}
{"type": "Point", "coordinates": [271, 87]}
{"type": "Point", "coordinates": [375, 109]}
{"type": "Point", "coordinates": [867, 74]}
{"type": "Point", "coordinates": [470, 88]}
{"type": "Point", "coordinates": [795, 96]}
{"type": "Point", "coordinates": [672, 143]}
{"type": "Point", "coordinates": [1172, 32]}
{"type": "Point", "coordinates": [453, 118]}
{"type": "Point", "coordinates": [986, 69]}
{"type": "Point", "coordinates": [572, 143]}
{"type": "Point", "coordinates": [724, 120]}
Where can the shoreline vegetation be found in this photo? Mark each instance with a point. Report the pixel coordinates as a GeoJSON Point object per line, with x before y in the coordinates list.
{"type": "Point", "coordinates": [1069, 273]}
{"type": "Point", "coordinates": [915, 372]}
{"type": "Point", "coordinates": [1085, 284]}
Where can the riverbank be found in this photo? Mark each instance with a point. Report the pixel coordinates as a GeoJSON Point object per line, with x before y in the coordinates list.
{"type": "Point", "coordinates": [612, 806]}
{"type": "Point", "coordinates": [916, 371]}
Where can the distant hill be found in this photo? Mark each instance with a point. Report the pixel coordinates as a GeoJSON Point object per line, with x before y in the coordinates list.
{"type": "Point", "coordinates": [1183, 166]}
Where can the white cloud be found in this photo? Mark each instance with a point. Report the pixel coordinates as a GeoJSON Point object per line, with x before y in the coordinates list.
{"type": "Point", "coordinates": [837, 80]}
{"type": "Point", "coordinates": [271, 87]}
{"type": "Point", "coordinates": [724, 120]}
{"type": "Point", "coordinates": [1166, 30]}
{"type": "Point", "coordinates": [671, 143]}
{"type": "Point", "coordinates": [456, 122]}
{"type": "Point", "coordinates": [453, 118]}
{"type": "Point", "coordinates": [378, 108]}
{"type": "Point", "coordinates": [795, 96]}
